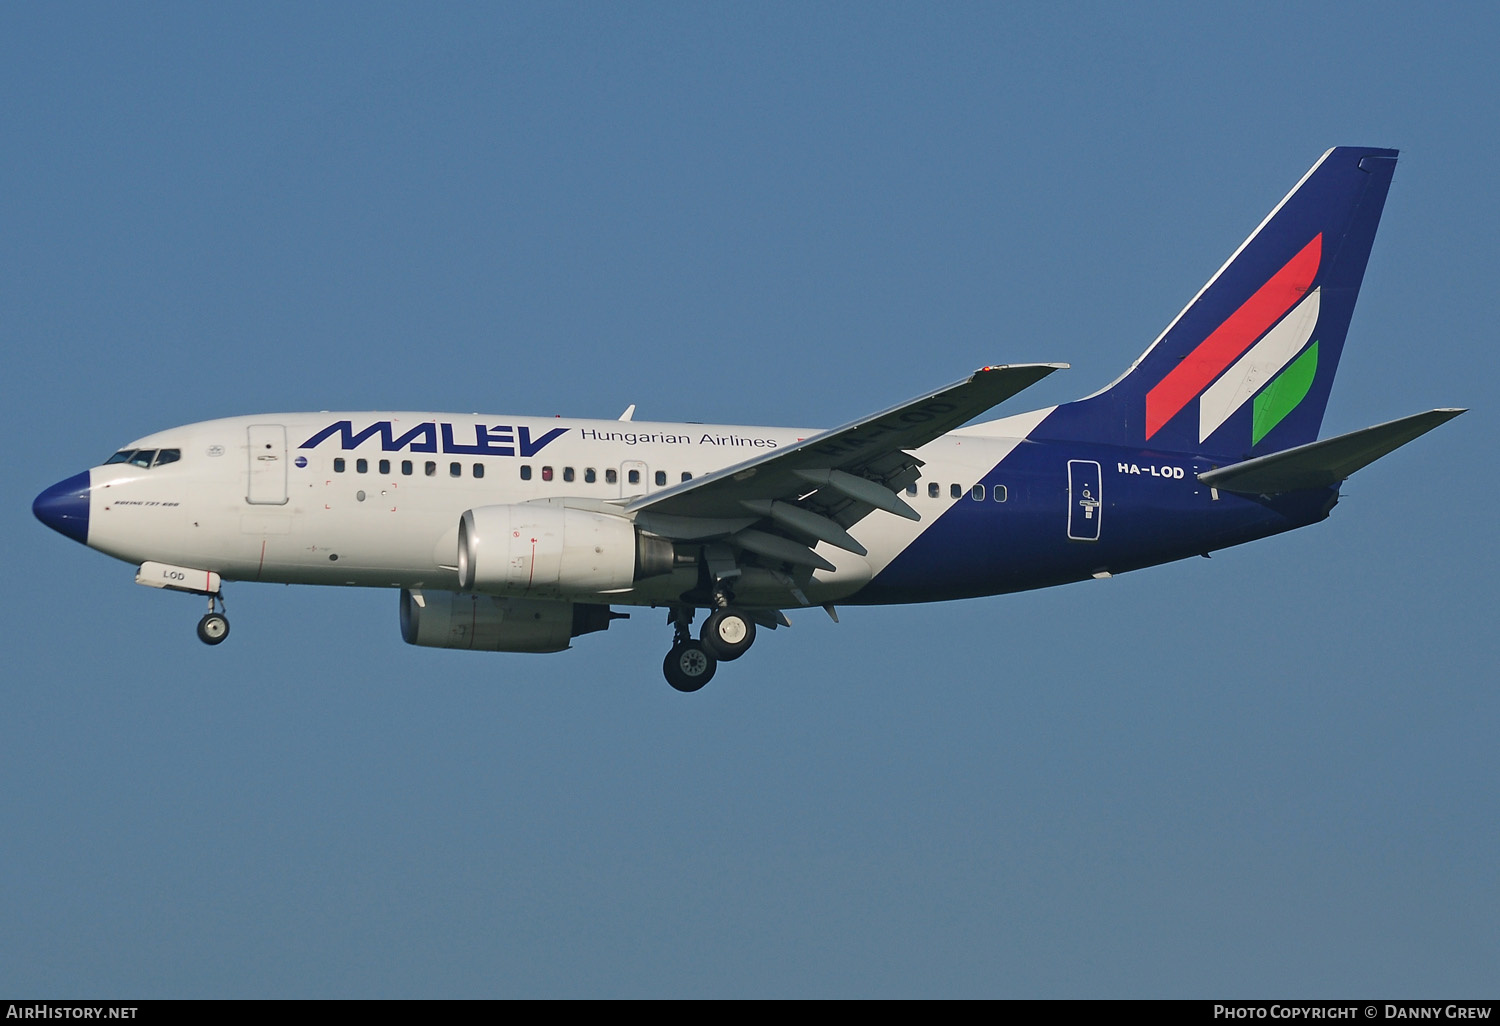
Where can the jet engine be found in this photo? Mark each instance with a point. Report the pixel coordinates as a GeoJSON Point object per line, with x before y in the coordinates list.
{"type": "Point", "coordinates": [545, 550]}
{"type": "Point", "coordinates": [490, 623]}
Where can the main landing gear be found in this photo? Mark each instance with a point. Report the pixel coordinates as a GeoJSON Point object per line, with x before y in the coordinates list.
{"type": "Point", "coordinates": [214, 627]}
{"type": "Point", "coordinates": [689, 666]}
{"type": "Point", "coordinates": [727, 634]}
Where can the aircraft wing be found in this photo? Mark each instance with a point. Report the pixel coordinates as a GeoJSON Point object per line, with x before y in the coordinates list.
{"type": "Point", "coordinates": [780, 503]}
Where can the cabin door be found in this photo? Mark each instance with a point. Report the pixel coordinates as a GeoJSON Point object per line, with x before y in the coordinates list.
{"type": "Point", "coordinates": [267, 481]}
{"type": "Point", "coordinates": [1085, 500]}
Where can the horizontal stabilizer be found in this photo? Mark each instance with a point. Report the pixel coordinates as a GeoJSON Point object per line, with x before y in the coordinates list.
{"type": "Point", "coordinates": [1325, 463]}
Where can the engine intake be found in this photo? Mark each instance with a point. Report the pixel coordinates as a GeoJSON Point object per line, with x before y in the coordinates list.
{"type": "Point", "coordinates": [545, 550]}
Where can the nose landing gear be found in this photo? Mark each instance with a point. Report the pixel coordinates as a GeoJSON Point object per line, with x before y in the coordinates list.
{"type": "Point", "coordinates": [214, 627]}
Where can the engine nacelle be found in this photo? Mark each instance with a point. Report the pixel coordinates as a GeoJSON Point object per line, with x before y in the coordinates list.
{"type": "Point", "coordinates": [490, 623]}
{"type": "Point", "coordinates": [541, 549]}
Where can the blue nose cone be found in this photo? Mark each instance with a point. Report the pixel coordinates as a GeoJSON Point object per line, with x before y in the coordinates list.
{"type": "Point", "coordinates": [65, 507]}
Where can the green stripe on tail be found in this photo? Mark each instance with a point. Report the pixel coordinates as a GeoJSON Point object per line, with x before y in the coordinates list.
{"type": "Point", "coordinates": [1285, 392]}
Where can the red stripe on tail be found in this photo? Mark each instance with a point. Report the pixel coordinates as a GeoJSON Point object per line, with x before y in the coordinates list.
{"type": "Point", "coordinates": [1230, 339]}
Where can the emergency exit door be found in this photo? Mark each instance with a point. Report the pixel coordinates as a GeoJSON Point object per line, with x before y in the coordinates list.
{"type": "Point", "coordinates": [634, 478]}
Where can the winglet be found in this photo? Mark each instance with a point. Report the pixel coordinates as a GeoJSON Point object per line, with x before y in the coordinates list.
{"type": "Point", "coordinates": [1325, 463]}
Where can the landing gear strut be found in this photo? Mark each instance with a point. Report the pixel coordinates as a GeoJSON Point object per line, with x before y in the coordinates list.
{"type": "Point", "coordinates": [728, 632]}
{"type": "Point", "coordinates": [214, 627]}
{"type": "Point", "coordinates": [689, 665]}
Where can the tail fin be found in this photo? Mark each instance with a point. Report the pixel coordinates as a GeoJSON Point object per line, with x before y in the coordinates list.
{"type": "Point", "coordinates": [1247, 367]}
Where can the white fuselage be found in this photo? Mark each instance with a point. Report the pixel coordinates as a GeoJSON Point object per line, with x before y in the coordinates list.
{"type": "Point", "coordinates": [302, 498]}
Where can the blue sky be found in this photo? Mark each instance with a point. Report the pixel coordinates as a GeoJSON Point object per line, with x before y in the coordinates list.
{"type": "Point", "coordinates": [1269, 774]}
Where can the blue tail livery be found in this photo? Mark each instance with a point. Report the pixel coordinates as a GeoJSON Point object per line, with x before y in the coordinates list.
{"type": "Point", "coordinates": [1246, 368]}
{"type": "Point", "coordinates": [511, 533]}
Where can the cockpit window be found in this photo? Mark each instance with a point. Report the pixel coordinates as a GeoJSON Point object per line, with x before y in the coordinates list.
{"type": "Point", "coordinates": [145, 457]}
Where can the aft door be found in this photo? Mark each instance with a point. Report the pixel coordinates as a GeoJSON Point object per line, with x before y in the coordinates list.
{"type": "Point", "coordinates": [1085, 500]}
{"type": "Point", "coordinates": [267, 474]}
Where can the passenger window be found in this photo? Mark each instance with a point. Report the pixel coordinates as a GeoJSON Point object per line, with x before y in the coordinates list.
{"type": "Point", "coordinates": [526, 472]}
{"type": "Point", "coordinates": [1000, 493]}
{"type": "Point", "coordinates": [911, 489]}
{"type": "Point", "coordinates": [455, 470]}
{"type": "Point", "coordinates": [168, 456]}
{"type": "Point", "coordinates": [957, 491]}
{"type": "Point", "coordinates": [479, 470]}
{"type": "Point", "coordinates": [977, 493]}
{"type": "Point", "coordinates": [661, 478]}
{"type": "Point", "coordinates": [385, 466]}
{"type": "Point", "coordinates": [589, 475]}
{"type": "Point", "coordinates": [361, 466]}
{"type": "Point", "coordinates": [406, 468]}
{"type": "Point", "coordinates": [431, 468]}
{"type": "Point", "coordinates": [338, 465]}
{"type": "Point", "coordinates": [635, 477]}
{"type": "Point", "coordinates": [567, 473]}
{"type": "Point", "coordinates": [611, 476]}
{"type": "Point", "coordinates": [546, 473]}
{"type": "Point", "coordinates": [686, 476]}
{"type": "Point", "coordinates": [932, 490]}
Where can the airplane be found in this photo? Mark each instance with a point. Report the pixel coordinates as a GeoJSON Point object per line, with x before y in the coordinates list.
{"type": "Point", "coordinates": [519, 534]}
